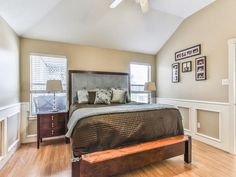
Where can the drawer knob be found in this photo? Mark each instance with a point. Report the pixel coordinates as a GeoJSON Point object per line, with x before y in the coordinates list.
{"type": "Point", "coordinates": [52, 132]}
{"type": "Point", "coordinates": [52, 125]}
{"type": "Point", "coordinates": [52, 117]}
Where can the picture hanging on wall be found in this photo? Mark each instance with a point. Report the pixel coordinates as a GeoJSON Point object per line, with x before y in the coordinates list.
{"type": "Point", "coordinates": [175, 73]}
{"type": "Point", "coordinates": [187, 66]}
{"type": "Point", "coordinates": [189, 52]}
{"type": "Point", "coordinates": [200, 68]}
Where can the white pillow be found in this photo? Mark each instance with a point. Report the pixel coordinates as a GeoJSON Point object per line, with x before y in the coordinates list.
{"type": "Point", "coordinates": [118, 96]}
{"type": "Point", "coordinates": [82, 96]}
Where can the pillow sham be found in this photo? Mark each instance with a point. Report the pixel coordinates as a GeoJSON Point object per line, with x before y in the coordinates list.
{"type": "Point", "coordinates": [127, 97]}
{"type": "Point", "coordinates": [118, 96]}
{"type": "Point", "coordinates": [103, 97]}
{"type": "Point", "coordinates": [91, 97]}
{"type": "Point", "coordinates": [82, 96]}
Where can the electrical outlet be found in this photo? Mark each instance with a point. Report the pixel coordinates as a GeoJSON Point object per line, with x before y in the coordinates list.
{"type": "Point", "coordinates": [225, 81]}
{"type": "Point", "coordinates": [198, 125]}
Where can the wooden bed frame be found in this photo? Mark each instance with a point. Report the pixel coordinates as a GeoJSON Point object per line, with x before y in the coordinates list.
{"type": "Point", "coordinates": [121, 160]}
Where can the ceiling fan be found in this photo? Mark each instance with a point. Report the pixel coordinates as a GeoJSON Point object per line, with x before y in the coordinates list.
{"type": "Point", "coordinates": [144, 4]}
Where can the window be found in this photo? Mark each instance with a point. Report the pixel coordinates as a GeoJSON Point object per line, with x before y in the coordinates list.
{"type": "Point", "coordinates": [139, 73]}
{"type": "Point", "coordinates": [43, 68]}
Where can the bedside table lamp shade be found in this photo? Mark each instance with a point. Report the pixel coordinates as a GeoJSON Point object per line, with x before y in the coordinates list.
{"type": "Point", "coordinates": [150, 87]}
{"type": "Point", "coordinates": [54, 86]}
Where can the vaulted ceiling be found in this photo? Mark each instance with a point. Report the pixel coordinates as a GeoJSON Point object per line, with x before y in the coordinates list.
{"type": "Point", "coordinates": [92, 22]}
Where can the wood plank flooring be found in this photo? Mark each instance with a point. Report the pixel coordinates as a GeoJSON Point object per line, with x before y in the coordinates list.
{"type": "Point", "coordinates": [53, 160]}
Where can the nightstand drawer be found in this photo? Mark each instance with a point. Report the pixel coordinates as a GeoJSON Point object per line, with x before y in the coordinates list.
{"type": "Point", "coordinates": [52, 132]}
{"type": "Point", "coordinates": [52, 125]}
{"type": "Point", "coordinates": [52, 117]}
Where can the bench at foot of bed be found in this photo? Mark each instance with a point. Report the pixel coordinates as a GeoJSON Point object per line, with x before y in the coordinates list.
{"type": "Point", "coordinates": [122, 160]}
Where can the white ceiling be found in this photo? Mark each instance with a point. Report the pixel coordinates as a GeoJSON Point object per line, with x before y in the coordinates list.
{"type": "Point", "coordinates": [92, 22]}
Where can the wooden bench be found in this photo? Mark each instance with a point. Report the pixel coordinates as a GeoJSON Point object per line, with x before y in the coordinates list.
{"type": "Point", "coordinates": [118, 161]}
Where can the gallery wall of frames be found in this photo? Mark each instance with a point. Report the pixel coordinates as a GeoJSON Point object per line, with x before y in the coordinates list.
{"type": "Point", "coordinates": [184, 58]}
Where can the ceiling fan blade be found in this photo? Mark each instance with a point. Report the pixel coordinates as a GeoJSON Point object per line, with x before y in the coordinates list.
{"type": "Point", "coordinates": [144, 5]}
{"type": "Point", "coordinates": [115, 3]}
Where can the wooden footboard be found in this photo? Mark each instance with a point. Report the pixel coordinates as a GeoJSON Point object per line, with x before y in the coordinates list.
{"type": "Point", "coordinates": [122, 160]}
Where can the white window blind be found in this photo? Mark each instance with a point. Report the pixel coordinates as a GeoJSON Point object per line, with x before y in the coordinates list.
{"type": "Point", "coordinates": [139, 73]}
{"type": "Point", "coordinates": [45, 68]}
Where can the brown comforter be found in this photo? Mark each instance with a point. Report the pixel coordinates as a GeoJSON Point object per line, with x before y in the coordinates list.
{"type": "Point", "coordinates": [109, 131]}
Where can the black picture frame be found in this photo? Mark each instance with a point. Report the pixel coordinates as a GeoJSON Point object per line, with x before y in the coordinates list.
{"type": "Point", "coordinates": [175, 73]}
{"type": "Point", "coordinates": [200, 69]}
{"type": "Point", "coordinates": [189, 52]}
{"type": "Point", "coordinates": [186, 66]}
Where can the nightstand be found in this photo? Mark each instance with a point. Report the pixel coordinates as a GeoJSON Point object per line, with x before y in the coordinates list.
{"type": "Point", "coordinates": [51, 124]}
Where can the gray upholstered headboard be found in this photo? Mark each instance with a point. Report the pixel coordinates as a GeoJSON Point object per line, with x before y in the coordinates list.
{"type": "Point", "coordinates": [94, 79]}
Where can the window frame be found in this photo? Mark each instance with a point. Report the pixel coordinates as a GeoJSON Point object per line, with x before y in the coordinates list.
{"type": "Point", "coordinates": [31, 116]}
{"type": "Point", "coordinates": [149, 77]}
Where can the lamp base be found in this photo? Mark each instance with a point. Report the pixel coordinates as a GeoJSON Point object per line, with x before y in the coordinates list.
{"type": "Point", "coordinates": [54, 110]}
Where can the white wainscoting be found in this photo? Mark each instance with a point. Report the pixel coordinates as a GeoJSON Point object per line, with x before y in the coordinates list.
{"type": "Point", "coordinates": [26, 137]}
{"type": "Point", "coordinates": [9, 140]}
{"type": "Point", "coordinates": [224, 120]}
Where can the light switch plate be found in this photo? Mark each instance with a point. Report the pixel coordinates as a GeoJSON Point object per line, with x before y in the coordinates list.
{"type": "Point", "coordinates": [225, 81]}
{"type": "Point", "coordinates": [198, 125]}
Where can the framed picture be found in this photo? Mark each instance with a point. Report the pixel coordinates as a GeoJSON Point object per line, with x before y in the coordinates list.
{"type": "Point", "coordinates": [189, 52]}
{"type": "Point", "coordinates": [175, 73]}
{"type": "Point", "coordinates": [187, 66]}
{"type": "Point", "coordinates": [200, 68]}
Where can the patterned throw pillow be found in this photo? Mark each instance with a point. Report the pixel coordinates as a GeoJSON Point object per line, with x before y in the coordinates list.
{"type": "Point", "coordinates": [82, 96]}
{"type": "Point", "coordinates": [103, 97]}
{"type": "Point", "coordinates": [118, 96]}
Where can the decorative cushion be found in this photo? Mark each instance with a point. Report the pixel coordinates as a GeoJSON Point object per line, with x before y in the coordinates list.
{"type": "Point", "coordinates": [128, 98]}
{"type": "Point", "coordinates": [103, 97]}
{"type": "Point", "coordinates": [82, 96]}
{"type": "Point", "coordinates": [118, 96]}
{"type": "Point", "coordinates": [91, 97]}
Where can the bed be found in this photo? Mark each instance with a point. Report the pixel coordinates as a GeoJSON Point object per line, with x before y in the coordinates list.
{"type": "Point", "coordinates": [117, 127]}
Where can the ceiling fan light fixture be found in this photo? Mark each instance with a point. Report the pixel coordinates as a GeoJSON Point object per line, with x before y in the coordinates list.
{"type": "Point", "coordinates": [144, 5]}
{"type": "Point", "coordinates": [115, 3]}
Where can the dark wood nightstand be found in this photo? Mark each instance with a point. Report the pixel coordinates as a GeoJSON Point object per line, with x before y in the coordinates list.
{"type": "Point", "coordinates": [51, 124]}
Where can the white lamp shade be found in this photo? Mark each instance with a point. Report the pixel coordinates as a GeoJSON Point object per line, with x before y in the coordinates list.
{"type": "Point", "coordinates": [150, 86]}
{"type": "Point", "coordinates": [54, 86]}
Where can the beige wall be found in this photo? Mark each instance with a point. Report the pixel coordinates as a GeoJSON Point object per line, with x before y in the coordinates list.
{"type": "Point", "coordinates": [80, 58]}
{"type": "Point", "coordinates": [32, 127]}
{"type": "Point", "coordinates": [211, 27]}
{"type": "Point", "coordinates": [209, 123]}
{"type": "Point", "coordinates": [9, 65]}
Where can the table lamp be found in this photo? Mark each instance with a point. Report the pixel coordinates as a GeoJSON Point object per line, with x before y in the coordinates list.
{"type": "Point", "coordinates": [54, 86]}
{"type": "Point", "coordinates": [150, 87]}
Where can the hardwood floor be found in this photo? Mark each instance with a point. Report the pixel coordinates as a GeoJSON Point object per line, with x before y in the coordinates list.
{"type": "Point", "coordinates": [53, 160]}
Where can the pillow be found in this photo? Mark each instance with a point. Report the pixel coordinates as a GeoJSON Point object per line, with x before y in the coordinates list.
{"type": "Point", "coordinates": [82, 96]}
{"type": "Point", "coordinates": [103, 97]}
{"type": "Point", "coordinates": [91, 97]}
{"type": "Point", "coordinates": [118, 96]}
{"type": "Point", "coordinates": [128, 99]}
